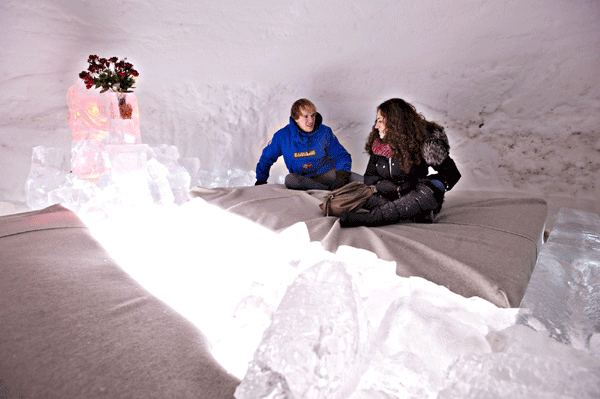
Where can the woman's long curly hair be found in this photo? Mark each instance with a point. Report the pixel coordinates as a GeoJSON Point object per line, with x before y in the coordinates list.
{"type": "Point", "coordinates": [405, 131]}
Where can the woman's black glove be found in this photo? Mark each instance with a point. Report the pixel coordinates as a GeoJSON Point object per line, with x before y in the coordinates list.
{"type": "Point", "coordinates": [391, 190]}
{"type": "Point", "coordinates": [437, 187]}
{"type": "Point", "coordinates": [405, 187]}
{"type": "Point", "coordinates": [387, 189]}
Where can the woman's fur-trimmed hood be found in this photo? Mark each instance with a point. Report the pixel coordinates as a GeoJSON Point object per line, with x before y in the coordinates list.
{"type": "Point", "coordinates": [436, 148]}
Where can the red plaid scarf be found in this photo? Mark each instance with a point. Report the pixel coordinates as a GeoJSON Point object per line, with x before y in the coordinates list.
{"type": "Point", "coordinates": [380, 148]}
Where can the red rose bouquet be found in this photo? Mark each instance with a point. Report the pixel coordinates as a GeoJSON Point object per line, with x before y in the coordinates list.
{"type": "Point", "coordinates": [110, 74]}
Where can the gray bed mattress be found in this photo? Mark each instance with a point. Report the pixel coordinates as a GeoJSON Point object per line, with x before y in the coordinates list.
{"type": "Point", "coordinates": [482, 243]}
{"type": "Point", "coordinates": [73, 324]}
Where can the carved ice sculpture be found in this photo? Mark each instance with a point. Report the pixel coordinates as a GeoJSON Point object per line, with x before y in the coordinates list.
{"type": "Point", "coordinates": [109, 164]}
{"type": "Point", "coordinates": [100, 116]}
{"type": "Point", "coordinates": [97, 120]}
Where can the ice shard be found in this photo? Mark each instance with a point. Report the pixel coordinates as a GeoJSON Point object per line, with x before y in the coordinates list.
{"type": "Point", "coordinates": [562, 299]}
{"type": "Point", "coordinates": [49, 170]}
{"type": "Point", "coordinates": [553, 351]}
{"type": "Point", "coordinates": [524, 364]}
{"type": "Point", "coordinates": [313, 347]}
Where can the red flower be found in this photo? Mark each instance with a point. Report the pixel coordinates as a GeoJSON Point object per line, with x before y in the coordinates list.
{"type": "Point", "coordinates": [109, 74]}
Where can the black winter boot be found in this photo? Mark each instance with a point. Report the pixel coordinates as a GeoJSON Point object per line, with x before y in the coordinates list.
{"type": "Point", "coordinates": [353, 218]}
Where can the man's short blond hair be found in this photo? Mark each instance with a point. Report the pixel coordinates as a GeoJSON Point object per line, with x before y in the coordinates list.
{"type": "Point", "coordinates": [303, 103]}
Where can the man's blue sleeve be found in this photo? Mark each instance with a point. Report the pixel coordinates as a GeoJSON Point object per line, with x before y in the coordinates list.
{"type": "Point", "coordinates": [269, 156]}
{"type": "Point", "coordinates": [343, 160]}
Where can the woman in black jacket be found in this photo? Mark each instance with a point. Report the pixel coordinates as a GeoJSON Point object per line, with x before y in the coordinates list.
{"type": "Point", "coordinates": [403, 145]}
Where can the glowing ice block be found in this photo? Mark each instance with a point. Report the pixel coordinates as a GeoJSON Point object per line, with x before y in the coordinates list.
{"type": "Point", "coordinates": [88, 159]}
{"type": "Point", "coordinates": [112, 118]}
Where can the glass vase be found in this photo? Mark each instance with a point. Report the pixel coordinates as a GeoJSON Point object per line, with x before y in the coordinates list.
{"type": "Point", "coordinates": [125, 109]}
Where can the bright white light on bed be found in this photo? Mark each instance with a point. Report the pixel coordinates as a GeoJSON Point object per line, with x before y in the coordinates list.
{"type": "Point", "coordinates": [227, 274]}
{"type": "Point", "coordinates": [207, 264]}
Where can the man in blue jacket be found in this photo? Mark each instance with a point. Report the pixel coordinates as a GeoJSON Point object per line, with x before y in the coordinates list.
{"type": "Point", "coordinates": [313, 155]}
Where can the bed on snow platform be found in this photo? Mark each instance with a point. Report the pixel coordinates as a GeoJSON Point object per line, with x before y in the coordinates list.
{"type": "Point", "coordinates": [482, 244]}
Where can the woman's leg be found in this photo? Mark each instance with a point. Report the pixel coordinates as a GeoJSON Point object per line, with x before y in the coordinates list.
{"type": "Point", "coordinates": [416, 205]}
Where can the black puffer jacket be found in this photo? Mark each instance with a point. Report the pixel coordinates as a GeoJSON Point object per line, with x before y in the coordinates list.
{"type": "Point", "coordinates": [407, 196]}
{"type": "Point", "coordinates": [387, 175]}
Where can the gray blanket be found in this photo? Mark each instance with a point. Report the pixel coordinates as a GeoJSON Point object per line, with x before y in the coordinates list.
{"type": "Point", "coordinates": [73, 324]}
{"type": "Point", "coordinates": [481, 244]}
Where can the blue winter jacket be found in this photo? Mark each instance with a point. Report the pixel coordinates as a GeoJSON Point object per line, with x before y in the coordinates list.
{"type": "Point", "coordinates": [307, 154]}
